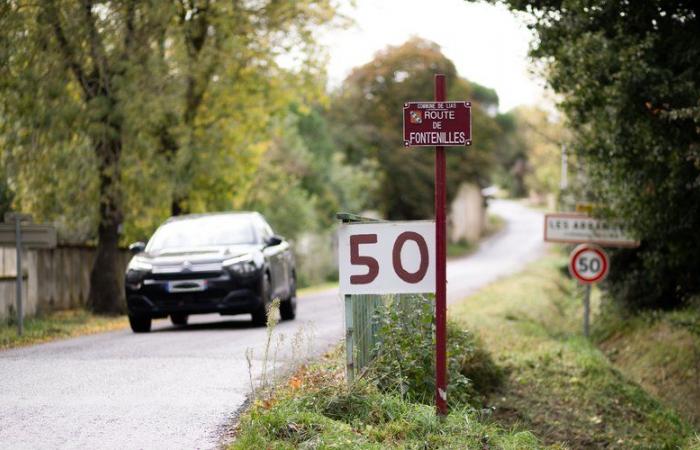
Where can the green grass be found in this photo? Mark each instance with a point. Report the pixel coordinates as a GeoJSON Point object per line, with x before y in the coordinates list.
{"type": "Point", "coordinates": [58, 325]}
{"type": "Point", "coordinates": [494, 224]}
{"type": "Point", "coordinates": [461, 248]}
{"type": "Point", "coordinates": [659, 350]}
{"type": "Point", "coordinates": [317, 288]}
{"type": "Point", "coordinates": [317, 409]}
{"type": "Point", "coordinates": [560, 386]}
{"type": "Point", "coordinates": [560, 390]}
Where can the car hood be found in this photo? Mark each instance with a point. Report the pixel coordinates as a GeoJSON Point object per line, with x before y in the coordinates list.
{"type": "Point", "coordinates": [197, 255]}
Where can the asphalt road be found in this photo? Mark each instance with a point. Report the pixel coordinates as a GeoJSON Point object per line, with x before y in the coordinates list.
{"type": "Point", "coordinates": [176, 388]}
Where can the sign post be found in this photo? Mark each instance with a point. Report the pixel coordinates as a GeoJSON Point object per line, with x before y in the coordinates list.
{"type": "Point", "coordinates": [19, 276]}
{"type": "Point", "coordinates": [441, 270]}
{"type": "Point", "coordinates": [589, 264]}
{"type": "Point", "coordinates": [24, 236]}
{"type": "Point", "coordinates": [440, 123]}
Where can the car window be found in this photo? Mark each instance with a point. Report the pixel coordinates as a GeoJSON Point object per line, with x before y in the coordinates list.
{"type": "Point", "coordinates": [263, 228]}
{"type": "Point", "coordinates": [203, 232]}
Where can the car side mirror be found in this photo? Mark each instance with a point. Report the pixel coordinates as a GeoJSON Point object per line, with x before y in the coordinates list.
{"type": "Point", "coordinates": [273, 240]}
{"type": "Point", "coordinates": [137, 247]}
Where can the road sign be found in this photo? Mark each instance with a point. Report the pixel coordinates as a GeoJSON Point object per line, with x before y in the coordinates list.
{"type": "Point", "coordinates": [24, 235]}
{"type": "Point", "coordinates": [441, 124]}
{"type": "Point", "coordinates": [426, 124]}
{"type": "Point", "coordinates": [576, 228]}
{"type": "Point", "coordinates": [33, 236]}
{"type": "Point", "coordinates": [589, 264]}
{"type": "Point", "coordinates": [387, 257]}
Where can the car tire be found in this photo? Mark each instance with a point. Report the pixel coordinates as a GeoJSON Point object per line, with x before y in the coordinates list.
{"type": "Point", "coordinates": [288, 307]}
{"type": "Point", "coordinates": [140, 324]}
{"type": "Point", "coordinates": [179, 319]}
{"type": "Point", "coordinates": [260, 314]}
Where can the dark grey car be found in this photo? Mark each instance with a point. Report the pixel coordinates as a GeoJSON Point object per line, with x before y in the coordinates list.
{"type": "Point", "coordinates": [230, 263]}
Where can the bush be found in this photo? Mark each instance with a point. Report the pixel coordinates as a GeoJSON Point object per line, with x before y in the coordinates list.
{"type": "Point", "coordinates": [404, 357]}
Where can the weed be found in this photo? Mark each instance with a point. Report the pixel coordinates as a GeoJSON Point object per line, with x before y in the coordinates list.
{"type": "Point", "coordinates": [404, 356]}
{"type": "Point", "coordinates": [330, 414]}
{"type": "Point", "coordinates": [266, 381]}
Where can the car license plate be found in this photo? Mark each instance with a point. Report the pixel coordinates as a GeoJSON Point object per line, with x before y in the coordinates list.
{"type": "Point", "coordinates": [187, 286]}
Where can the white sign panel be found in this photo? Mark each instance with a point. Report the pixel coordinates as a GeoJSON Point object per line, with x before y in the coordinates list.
{"type": "Point", "coordinates": [580, 228]}
{"type": "Point", "coordinates": [588, 264]}
{"type": "Point", "coordinates": [387, 257]}
{"type": "Point", "coordinates": [33, 236]}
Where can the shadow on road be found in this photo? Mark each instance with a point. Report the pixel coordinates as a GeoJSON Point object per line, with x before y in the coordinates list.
{"type": "Point", "coordinates": [208, 326]}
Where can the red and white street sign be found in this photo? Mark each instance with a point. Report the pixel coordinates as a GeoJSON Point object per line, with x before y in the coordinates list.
{"type": "Point", "coordinates": [589, 264]}
{"type": "Point", "coordinates": [387, 257]}
{"type": "Point", "coordinates": [426, 124]}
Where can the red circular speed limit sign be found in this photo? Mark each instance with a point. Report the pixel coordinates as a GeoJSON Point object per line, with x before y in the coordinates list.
{"type": "Point", "coordinates": [588, 264]}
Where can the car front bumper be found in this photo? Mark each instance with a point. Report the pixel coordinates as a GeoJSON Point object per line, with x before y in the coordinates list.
{"type": "Point", "coordinates": [222, 294]}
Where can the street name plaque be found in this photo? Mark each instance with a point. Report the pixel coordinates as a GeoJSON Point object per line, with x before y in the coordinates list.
{"type": "Point", "coordinates": [426, 124]}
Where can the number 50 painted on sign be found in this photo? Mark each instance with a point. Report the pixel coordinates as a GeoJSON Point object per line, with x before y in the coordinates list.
{"type": "Point", "coordinates": [387, 257]}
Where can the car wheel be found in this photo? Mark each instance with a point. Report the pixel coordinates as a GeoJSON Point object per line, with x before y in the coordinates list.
{"type": "Point", "coordinates": [260, 314]}
{"type": "Point", "coordinates": [288, 308]}
{"type": "Point", "coordinates": [140, 324]}
{"type": "Point", "coordinates": [179, 319]}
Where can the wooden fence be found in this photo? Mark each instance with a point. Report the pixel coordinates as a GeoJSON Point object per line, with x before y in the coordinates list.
{"type": "Point", "coordinates": [55, 279]}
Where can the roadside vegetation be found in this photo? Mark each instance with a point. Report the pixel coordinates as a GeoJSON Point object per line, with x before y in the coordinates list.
{"type": "Point", "coordinates": [58, 325]}
{"type": "Point", "coordinates": [317, 409]}
{"type": "Point", "coordinates": [522, 376]}
{"type": "Point", "coordinates": [659, 350]}
{"type": "Point", "coordinates": [560, 385]}
{"type": "Point", "coordinates": [463, 247]}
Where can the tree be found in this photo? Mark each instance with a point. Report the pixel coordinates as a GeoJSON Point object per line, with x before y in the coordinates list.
{"type": "Point", "coordinates": [90, 89]}
{"type": "Point", "coordinates": [234, 45]}
{"type": "Point", "coordinates": [543, 137]}
{"type": "Point", "coordinates": [367, 121]}
{"type": "Point", "coordinates": [64, 72]}
{"type": "Point", "coordinates": [629, 76]}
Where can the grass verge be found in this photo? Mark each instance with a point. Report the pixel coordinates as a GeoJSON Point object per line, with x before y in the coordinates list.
{"type": "Point", "coordinates": [317, 409]}
{"type": "Point", "coordinates": [462, 248]}
{"type": "Point", "coordinates": [58, 325]}
{"type": "Point", "coordinates": [316, 288]}
{"type": "Point", "coordinates": [659, 350]}
{"type": "Point", "coordinates": [559, 385]}
{"type": "Point", "coordinates": [560, 390]}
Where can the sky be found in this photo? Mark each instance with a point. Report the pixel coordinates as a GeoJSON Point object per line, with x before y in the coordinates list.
{"type": "Point", "coordinates": [487, 43]}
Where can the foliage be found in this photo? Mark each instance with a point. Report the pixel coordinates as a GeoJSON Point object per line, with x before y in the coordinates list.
{"type": "Point", "coordinates": [319, 410]}
{"type": "Point", "coordinates": [544, 136]}
{"type": "Point", "coordinates": [115, 114]}
{"type": "Point", "coordinates": [559, 385]}
{"type": "Point", "coordinates": [404, 363]}
{"type": "Point", "coordinates": [366, 120]}
{"type": "Point", "coordinates": [6, 193]}
{"type": "Point", "coordinates": [629, 76]}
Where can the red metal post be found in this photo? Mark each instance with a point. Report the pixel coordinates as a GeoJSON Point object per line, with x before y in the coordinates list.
{"type": "Point", "coordinates": [440, 264]}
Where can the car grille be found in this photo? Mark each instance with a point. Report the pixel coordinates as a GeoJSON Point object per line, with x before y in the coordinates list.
{"type": "Point", "coordinates": [186, 275]}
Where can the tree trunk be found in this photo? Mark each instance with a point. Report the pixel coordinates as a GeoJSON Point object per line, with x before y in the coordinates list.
{"type": "Point", "coordinates": [106, 285]}
{"type": "Point", "coordinates": [176, 208]}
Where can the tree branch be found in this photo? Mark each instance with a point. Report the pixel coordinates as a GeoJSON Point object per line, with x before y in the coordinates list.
{"type": "Point", "coordinates": [130, 28]}
{"type": "Point", "coordinates": [97, 51]}
{"type": "Point", "coordinates": [68, 54]}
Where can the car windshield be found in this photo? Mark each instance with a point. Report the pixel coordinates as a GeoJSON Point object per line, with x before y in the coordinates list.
{"type": "Point", "coordinates": [203, 232]}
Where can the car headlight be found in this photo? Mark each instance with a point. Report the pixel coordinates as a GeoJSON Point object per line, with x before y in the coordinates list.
{"type": "Point", "coordinates": [241, 265]}
{"type": "Point", "coordinates": [138, 264]}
